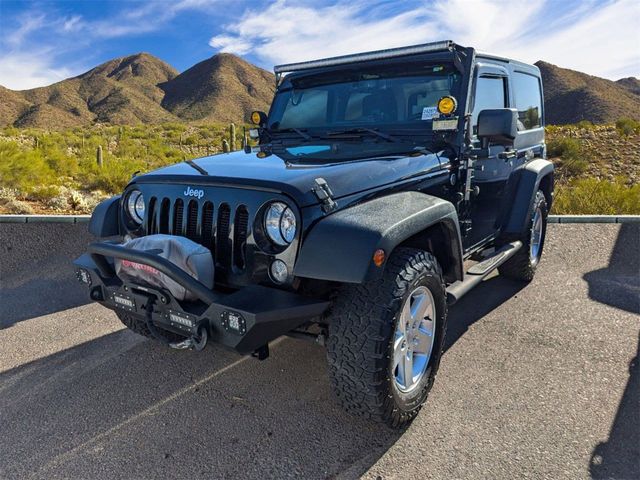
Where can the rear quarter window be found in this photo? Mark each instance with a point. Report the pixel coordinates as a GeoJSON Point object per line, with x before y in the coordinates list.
{"type": "Point", "coordinates": [528, 97]}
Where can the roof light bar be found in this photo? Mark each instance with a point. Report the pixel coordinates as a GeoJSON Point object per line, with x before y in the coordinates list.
{"type": "Point", "coordinates": [366, 56]}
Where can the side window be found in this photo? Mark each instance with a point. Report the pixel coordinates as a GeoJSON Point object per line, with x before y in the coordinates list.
{"type": "Point", "coordinates": [490, 93]}
{"type": "Point", "coordinates": [526, 89]}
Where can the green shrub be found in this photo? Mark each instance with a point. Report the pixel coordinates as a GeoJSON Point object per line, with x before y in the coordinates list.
{"type": "Point", "coordinates": [44, 193]}
{"type": "Point", "coordinates": [593, 196]}
{"type": "Point", "coordinates": [564, 147]}
{"type": "Point", "coordinates": [627, 126]}
{"type": "Point", "coordinates": [23, 170]}
{"type": "Point", "coordinates": [585, 124]}
{"type": "Point", "coordinates": [573, 167]}
{"type": "Point", "coordinates": [15, 207]}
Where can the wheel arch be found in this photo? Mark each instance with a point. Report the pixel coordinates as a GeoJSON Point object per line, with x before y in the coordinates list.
{"type": "Point", "coordinates": [340, 247]}
{"type": "Point", "coordinates": [535, 175]}
{"type": "Point", "coordinates": [443, 242]}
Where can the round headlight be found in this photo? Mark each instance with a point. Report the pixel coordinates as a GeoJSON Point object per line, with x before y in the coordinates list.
{"type": "Point", "coordinates": [135, 206]}
{"type": "Point", "coordinates": [280, 224]}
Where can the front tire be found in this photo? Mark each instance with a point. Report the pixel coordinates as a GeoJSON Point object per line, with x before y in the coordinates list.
{"type": "Point", "coordinates": [386, 339]}
{"type": "Point", "coordinates": [522, 266]}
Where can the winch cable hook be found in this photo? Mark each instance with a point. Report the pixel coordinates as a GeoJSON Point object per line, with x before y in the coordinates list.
{"type": "Point", "coordinates": [193, 342]}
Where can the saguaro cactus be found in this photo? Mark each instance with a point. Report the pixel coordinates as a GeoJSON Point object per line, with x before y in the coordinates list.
{"type": "Point", "coordinates": [225, 146]}
{"type": "Point", "coordinates": [232, 136]}
{"type": "Point", "coordinates": [99, 156]}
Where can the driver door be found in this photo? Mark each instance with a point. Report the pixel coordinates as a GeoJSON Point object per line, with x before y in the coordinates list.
{"type": "Point", "coordinates": [491, 173]}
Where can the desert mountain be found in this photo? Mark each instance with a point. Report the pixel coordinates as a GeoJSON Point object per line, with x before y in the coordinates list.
{"type": "Point", "coordinates": [143, 89]}
{"type": "Point", "coordinates": [221, 88]}
{"type": "Point", "coordinates": [124, 90]}
{"type": "Point", "coordinates": [572, 96]}
{"type": "Point", "coordinates": [630, 83]}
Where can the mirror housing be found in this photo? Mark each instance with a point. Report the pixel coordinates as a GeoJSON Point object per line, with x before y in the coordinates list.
{"type": "Point", "coordinates": [498, 126]}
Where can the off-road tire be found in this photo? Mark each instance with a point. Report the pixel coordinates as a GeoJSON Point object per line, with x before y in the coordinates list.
{"type": "Point", "coordinates": [521, 266]}
{"type": "Point", "coordinates": [139, 326]}
{"type": "Point", "coordinates": [360, 343]}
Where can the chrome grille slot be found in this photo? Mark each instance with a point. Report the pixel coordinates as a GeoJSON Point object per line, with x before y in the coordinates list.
{"type": "Point", "coordinates": [207, 225]}
{"type": "Point", "coordinates": [178, 214]}
{"type": "Point", "coordinates": [223, 248]}
{"type": "Point", "coordinates": [151, 219]}
{"type": "Point", "coordinates": [192, 220]}
{"type": "Point", "coordinates": [240, 227]}
{"type": "Point", "coordinates": [164, 216]}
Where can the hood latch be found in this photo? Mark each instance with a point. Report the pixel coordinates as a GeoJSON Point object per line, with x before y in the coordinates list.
{"type": "Point", "coordinates": [325, 195]}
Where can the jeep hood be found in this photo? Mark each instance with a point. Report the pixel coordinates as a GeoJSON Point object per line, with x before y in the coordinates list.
{"type": "Point", "coordinates": [246, 170]}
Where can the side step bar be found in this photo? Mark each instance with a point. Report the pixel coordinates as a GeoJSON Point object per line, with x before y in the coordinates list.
{"type": "Point", "coordinates": [480, 270]}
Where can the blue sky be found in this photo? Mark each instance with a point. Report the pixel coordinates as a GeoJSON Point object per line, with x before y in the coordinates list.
{"type": "Point", "coordinates": [42, 42]}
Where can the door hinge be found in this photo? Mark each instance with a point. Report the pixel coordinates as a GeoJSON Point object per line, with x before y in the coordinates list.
{"type": "Point", "coordinates": [324, 194]}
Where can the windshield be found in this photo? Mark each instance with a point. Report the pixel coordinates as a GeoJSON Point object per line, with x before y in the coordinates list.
{"type": "Point", "coordinates": [402, 96]}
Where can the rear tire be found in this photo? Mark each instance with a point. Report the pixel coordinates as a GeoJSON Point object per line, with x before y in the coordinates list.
{"type": "Point", "coordinates": [367, 332]}
{"type": "Point", "coordinates": [522, 266]}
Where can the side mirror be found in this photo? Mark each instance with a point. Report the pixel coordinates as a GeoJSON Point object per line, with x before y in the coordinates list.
{"type": "Point", "coordinates": [498, 126]}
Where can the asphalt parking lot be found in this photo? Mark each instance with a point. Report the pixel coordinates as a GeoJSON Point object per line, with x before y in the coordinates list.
{"type": "Point", "coordinates": [539, 381]}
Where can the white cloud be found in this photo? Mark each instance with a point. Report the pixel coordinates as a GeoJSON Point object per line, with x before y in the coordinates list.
{"type": "Point", "coordinates": [32, 51]}
{"type": "Point", "coordinates": [23, 71]}
{"type": "Point", "coordinates": [72, 23]}
{"type": "Point", "coordinates": [604, 42]}
{"type": "Point", "coordinates": [148, 17]}
{"type": "Point", "coordinates": [600, 39]}
{"type": "Point", "coordinates": [27, 25]}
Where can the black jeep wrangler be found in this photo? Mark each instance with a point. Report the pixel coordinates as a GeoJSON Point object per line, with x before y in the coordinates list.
{"type": "Point", "coordinates": [383, 187]}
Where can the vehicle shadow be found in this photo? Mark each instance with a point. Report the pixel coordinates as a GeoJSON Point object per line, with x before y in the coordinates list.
{"type": "Point", "coordinates": [128, 403]}
{"type": "Point", "coordinates": [619, 456]}
{"type": "Point", "coordinates": [479, 302]}
{"type": "Point", "coordinates": [92, 405]}
{"type": "Point", "coordinates": [618, 286]}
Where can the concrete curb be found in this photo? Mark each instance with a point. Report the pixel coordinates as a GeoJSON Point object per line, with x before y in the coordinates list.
{"type": "Point", "coordinates": [552, 218]}
{"type": "Point", "coordinates": [594, 219]}
{"type": "Point", "coordinates": [44, 218]}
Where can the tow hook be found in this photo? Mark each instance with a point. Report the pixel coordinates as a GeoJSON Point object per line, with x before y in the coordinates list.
{"type": "Point", "coordinates": [194, 342]}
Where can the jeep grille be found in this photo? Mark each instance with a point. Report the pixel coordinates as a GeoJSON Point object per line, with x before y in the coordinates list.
{"type": "Point", "coordinates": [218, 230]}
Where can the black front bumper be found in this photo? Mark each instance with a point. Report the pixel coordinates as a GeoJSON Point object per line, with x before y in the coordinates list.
{"type": "Point", "coordinates": [244, 320]}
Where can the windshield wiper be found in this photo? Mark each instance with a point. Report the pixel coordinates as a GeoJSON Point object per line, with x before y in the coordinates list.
{"type": "Point", "coordinates": [360, 130]}
{"type": "Point", "coordinates": [304, 135]}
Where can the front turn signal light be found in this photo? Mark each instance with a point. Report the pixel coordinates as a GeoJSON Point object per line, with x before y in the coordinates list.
{"type": "Point", "coordinates": [378, 257]}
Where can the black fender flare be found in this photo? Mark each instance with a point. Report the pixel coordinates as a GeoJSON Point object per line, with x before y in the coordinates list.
{"type": "Point", "coordinates": [105, 218]}
{"type": "Point", "coordinates": [531, 176]}
{"type": "Point", "coordinates": [340, 247]}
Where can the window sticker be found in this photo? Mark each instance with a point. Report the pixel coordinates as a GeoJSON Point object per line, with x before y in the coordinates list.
{"type": "Point", "coordinates": [429, 112]}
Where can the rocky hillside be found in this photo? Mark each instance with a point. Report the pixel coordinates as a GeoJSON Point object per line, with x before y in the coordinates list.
{"type": "Point", "coordinates": [143, 89]}
{"type": "Point", "coordinates": [217, 89]}
{"type": "Point", "coordinates": [572, 96]}
{"type": "Point", "coordinates": [607, 155]}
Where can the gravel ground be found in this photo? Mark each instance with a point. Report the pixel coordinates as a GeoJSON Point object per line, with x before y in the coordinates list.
{"type": "Point", "coordinates": [538, 381]}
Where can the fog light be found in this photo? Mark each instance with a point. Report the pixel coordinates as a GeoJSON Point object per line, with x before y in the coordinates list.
{"type": "Point", "coordinates": [279, 272]}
